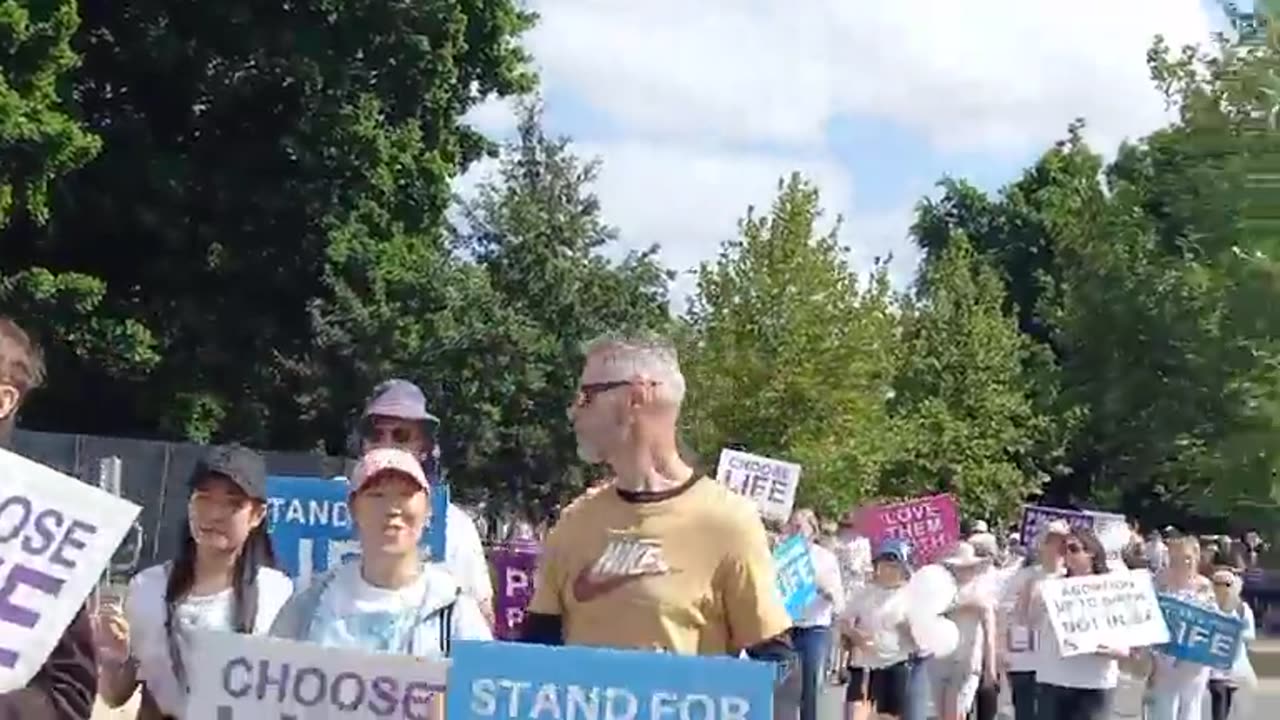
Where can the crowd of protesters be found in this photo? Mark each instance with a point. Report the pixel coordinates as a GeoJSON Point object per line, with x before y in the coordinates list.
{"type": "Point", "coordinates": [659, 557]}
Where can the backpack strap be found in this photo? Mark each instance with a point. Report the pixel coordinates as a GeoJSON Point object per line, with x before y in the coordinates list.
{"type": "Point", "coordinates": [446, 627]}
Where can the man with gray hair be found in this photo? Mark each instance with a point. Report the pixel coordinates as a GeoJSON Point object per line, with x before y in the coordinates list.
{"type": "Point", "coordinates": [664, 558]}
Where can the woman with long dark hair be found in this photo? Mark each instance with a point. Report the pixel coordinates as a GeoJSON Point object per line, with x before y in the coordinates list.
{"type": "Point", "coordinates": [1080, 687]}
{"type": "Point", "coordinates": [223, 578]}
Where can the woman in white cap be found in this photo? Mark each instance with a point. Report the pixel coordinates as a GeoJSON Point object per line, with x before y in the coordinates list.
{"type": "Point", "coordinates": [392, 600]}
{"type": "Point", "coordinates": [956, 677]}
{"type": "Point", "coordinates": [1223, 684]}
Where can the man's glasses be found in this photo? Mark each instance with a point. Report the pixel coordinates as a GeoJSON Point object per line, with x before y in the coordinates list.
{"type": "Point", "coordinates": [587, 393]}
{"type": "Point", "coordinates": [398, 435]}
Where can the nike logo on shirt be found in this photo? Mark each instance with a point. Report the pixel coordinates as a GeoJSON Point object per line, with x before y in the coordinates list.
{"type": "Point", "coordinates": [625, 559]}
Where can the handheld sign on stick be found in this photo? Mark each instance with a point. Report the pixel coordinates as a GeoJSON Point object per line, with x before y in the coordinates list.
{"type": "Point", "coordinates": [109, 473]}
{"type": "Point", "coordinates": [770, 483]}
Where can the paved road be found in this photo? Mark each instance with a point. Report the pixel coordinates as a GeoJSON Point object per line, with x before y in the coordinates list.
{"type": "Point", "coordinates": [1265, 704]}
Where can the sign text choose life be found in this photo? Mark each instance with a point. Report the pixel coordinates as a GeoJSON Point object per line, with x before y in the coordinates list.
{"type": "Point", "coordinates": [771, 484]}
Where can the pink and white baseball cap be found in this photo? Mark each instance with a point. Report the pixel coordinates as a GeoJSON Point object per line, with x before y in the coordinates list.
{"type": "Point", "coordinates": [382, 460]}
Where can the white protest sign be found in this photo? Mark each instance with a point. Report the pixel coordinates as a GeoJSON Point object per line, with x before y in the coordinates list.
{"type": "Point", "coordinates": [57, 535]}
{"type": "Point", "coordinates": [771, 484]}
{"type": "Point", "coordinates": [1116, 610]}
{"type": "Point", "coordinates": [250, 677]}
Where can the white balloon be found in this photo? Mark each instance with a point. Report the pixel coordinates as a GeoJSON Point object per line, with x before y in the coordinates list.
{"type": "Point", "coordinates": [936, 636]}
{"type": "Point", "coordinates": [931, 591]}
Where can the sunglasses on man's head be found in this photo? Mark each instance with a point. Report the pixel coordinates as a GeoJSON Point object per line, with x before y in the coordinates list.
{"type": "Point", "coordinates": [395, 435]}
{"type": "Point", "coordinates": [587, 392]}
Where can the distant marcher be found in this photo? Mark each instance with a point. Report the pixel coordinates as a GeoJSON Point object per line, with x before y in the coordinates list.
{"type": "Point", "coordinates": [1178, 688]}
{"type": "Point", "coordinates": [1080, 687]}
{"type": "Point", "coordinates": [1223, 684]}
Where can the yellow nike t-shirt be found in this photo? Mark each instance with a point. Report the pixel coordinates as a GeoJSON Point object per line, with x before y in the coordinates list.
{"type": "Point", "coordinates": [688, 571]}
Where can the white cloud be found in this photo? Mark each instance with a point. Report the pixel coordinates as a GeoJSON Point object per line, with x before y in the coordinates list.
{"type": "Point", "coordinates": [994, 75]}
{"type": "Point", "coordinates": [687, 197]}
{"type": "Point", "coordinates": [691, 90]}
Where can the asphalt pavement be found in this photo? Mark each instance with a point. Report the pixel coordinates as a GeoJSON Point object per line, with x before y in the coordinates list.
{"type": "Point", "coordinates": [1260, 705]}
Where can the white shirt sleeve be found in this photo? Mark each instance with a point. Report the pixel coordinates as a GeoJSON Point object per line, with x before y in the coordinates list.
{"type": "Point", "coordinates": [828, 571]}
{"type": "Point", "coordinates": [464, 555]}
{"type": "Point", "coordinates": [1250, 625]}
{"type": "Point", "coordinates": [468, 622]}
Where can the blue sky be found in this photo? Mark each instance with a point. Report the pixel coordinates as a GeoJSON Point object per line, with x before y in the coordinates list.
{"type": "Point", "coordinates": [696, 109]}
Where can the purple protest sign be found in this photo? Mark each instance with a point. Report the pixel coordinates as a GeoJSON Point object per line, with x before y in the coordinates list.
{"type": "Point", "coordinates": [1111, 528]}
{"type": "Point", "coordinates": [1035, 517]}
{"type": "Point", "coordinates": [57, 535]}
{"type": "Point", "coordinates": [516, 565]}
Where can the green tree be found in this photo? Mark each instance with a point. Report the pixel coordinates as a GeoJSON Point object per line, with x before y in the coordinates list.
{"type": "Point", "coordinates": [536, 233]}
{"type": "Point", "coordinates": [962, 403]}
{"type": "Point", "coordinates": [790, 355]}
{"type": "Point", "coordinates": [42, 140]}
{"type": "Point", "coordinates": [270, 177]}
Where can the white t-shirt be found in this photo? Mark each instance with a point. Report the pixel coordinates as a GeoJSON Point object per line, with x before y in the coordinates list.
{"type": "Point", "coordinates": [1021, 643]}
{"type": "Point", "coordinates": [355, 614]}
{"type": "Point", "coordinates": [464, 555]}
{"type": "Point", "coordinates": [1093, 671]}
{"type": "Point", "coordinates": [145, 611]}
{"type": "Point", "coordinates": [972, 643]}
{"type": "Point", "coordinates": [822, 611]}
{"type": "Point", "coordinates": [1243, 666]}
{"type": "Point", "coordinates": [871, 611]}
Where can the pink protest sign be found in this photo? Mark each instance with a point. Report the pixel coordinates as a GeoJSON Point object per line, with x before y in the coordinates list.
{"type": "Point", "coordinates": [516, 565]}
{"type": "Point", "coordinates": [930, 524]}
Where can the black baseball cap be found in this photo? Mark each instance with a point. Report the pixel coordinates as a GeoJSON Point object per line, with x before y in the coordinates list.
{"type": "Point", "coordinates": [242, 466]}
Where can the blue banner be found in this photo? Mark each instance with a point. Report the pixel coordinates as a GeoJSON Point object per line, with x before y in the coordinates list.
{"type": "Point", "coordinates": [1200, 635]}
{"type": "Point", "coordinates": [310, 523]}
{"type": "Point", "coordinates": [797, 580]}
{"type": "Point", "coordinates": [516, 681]}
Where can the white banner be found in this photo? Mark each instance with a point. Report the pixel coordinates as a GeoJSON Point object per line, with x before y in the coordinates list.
{"type": "Point", "coordinates": [771, 484]}
{"type": "Point", "coordinates": [1115, 610]}
{"type": "Point", "coordinates": [57, 535]}
{"type": "Point", "coordinates": [250, 677]}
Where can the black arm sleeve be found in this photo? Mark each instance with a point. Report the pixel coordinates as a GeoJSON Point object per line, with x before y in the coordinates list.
{"type": "Point", "coordinates": [776, 650]}
{"type": "Point", "coordinates": [542, 629]}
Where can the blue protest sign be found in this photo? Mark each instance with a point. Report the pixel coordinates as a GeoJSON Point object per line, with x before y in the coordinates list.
{"type": "Point", "coordinates": [310, 523]}
{"type": "Point", "coordinates": [797, 579]}
{"type": "Point", "coordinates": [1200, 635]}
{"type": "Point", "coordinates": [517, 681]}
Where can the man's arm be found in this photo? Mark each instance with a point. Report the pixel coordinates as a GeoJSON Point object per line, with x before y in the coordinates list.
{"type": "Point", "coordinates": [543, 620]}
{"type": "Point", "coordinates": [758, 620]}
{"type": "Point", "coordinates": [67, 683]}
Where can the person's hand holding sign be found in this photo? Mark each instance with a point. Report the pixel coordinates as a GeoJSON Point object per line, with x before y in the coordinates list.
{"type": "Point", "coordinates": [112, 633]}
{"type": "Point", "coordinates": [117, 670]}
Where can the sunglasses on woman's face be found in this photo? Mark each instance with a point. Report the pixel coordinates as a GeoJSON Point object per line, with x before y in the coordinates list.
{"type": "Point", "coordinates": [1074, 548]}
{"type": "Point", "coordinates": [1219, 583]}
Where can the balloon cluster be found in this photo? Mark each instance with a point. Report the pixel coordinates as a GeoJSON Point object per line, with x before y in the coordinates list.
{"type": "Point", "coordinates": [926, 597]}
